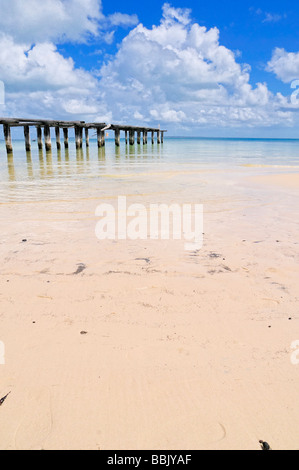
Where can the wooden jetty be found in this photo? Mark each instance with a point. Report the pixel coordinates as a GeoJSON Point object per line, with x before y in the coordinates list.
{"type": "Point", "coordinates": [43, 127]}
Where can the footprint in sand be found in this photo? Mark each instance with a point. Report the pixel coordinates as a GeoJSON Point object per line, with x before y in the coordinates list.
{"type": "Point", "coordinates": [36, 424]}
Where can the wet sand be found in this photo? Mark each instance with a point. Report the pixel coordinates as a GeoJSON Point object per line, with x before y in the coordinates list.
{"type": "Point", "coordinates": [288, 180]}
{"type": "Point", "coordinates": [180, 350]}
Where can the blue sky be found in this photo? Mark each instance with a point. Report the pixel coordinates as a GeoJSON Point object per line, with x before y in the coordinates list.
{"type": "Point", "coordinates": [196, 68]}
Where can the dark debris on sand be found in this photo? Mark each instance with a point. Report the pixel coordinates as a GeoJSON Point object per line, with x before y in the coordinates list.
{"type": "Point", "coordinates": [81, 268]}
{"type": "Point", "coordinates": [3, 399]}
{"type": "Point", "coordinates": [265, 445]}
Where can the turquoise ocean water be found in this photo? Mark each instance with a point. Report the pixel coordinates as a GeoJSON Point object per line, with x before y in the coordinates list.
{"type": "Point", "coordinates": [65, 174]}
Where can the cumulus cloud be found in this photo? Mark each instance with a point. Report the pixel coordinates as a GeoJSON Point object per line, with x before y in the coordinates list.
{"type": "Point", "coordinates": [39, 67]}
{"type": "Point", "coordinates": [38, 79]}
{"type": "Point", "coordinates": [178, 72]}
{"type": "Point", "coordinates": [175, 73]}
{"type": "Point", "coordinates": [122, 19]}
{"type": "Point", "coordinates": [50, 20]}
{"type": "Point", "coordinates": [285, 65]}
{"type": "Point", "coordinates": [34, 21]}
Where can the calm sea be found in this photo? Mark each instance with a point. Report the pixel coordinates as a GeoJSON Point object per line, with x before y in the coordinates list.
{"type": "Point", "coordinates": [66, 175]}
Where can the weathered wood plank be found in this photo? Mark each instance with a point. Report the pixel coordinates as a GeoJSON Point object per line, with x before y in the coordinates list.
{"type": "Point", "coordinates": [47, 136]}
{"type": "Point", "coordinates": [39, 137]}
{"type": "Point", "coordinates": [159, 137]}
{"type": "Point", "coordinates": [144, 137]}
{"type": "Point", "coordinates": [117, 137]}
{"type": "Point", "coordinates": [81, 136]}
{"type": "Point", "coordinates": [95, 125]}
{"type": "Point", "coordinates": [13, 122]}
{"type": "Point", "coordinates": [27, 139]}
{"type": "Point", "coordinates": [99, 137]}
{"type": "Point", "coordinates": [66, 137]}
{"type": "Point", "coordinates": [86, 137]}
{"type": "Point", "coordinates": [103, 143]}
{"type": "Point", "coordinates": [132, 137]}
{"type": "Point", "coordinates": [7, 137]}
{"type": "Point", "coordinates": [57, 134]}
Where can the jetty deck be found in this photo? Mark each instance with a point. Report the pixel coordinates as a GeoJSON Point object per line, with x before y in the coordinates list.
{"type": "Point", "coordinates": [43, 132]}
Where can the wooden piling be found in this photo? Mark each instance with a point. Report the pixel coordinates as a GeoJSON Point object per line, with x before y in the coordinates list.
{"type": "Point", "coordinates": [138, 137]}
{"type": "Point", "coordinates": [66, 137]}
{"type": "Point", "coordinates": [47, 136]}
{"type": "Point", "coordinates": [153, 138]}
{"type": "Point", "coordinates": [159, 137]}
{"type": "Point", "coordinates": [81, 136]}
{"type": "Point", "coordinates": [39, 137]}
{"type": "Point", "coordinates": [144, 137]}
{"type": "Point", "coordinates": [27, 139]}
{"type": "Point", "coordinates": [162, 137]}
{"type": "Point", "coordinates": [126, 136]}
{"type": "Point", "coordinates": [103, 138]}
{"type": "Point", "coordinates": [99, 137]}
{"type": "Point", "coordinates": [77, 137]}
{"type": "Point", "coordinates": [57, 133]}
{"type": "Point", "coordinates": [117, 137]}
{"type": "Point", "coordinates": [86, 137]}
{"type": "Point", "coordinates": [132, 137]}
{"type": "Point", "coordinates": [7, 137]}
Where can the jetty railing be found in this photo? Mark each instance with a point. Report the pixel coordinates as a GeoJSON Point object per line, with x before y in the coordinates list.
{"type": "Point", "coordinates": [43, 127]}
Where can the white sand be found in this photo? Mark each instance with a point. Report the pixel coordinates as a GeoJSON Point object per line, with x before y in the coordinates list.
{"type": "Point", "coordinates": [178, 352]}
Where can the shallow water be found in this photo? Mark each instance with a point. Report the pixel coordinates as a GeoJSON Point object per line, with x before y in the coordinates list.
{"type": "Point", "coordinates": [70, 174]}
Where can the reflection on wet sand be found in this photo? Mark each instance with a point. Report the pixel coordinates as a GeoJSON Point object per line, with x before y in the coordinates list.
{"type": "Point", "coordinates": [102, 154]}
{"type": "Point", "coordinates": [41, 164]}
{"type": "Point", "coordinates": [117, 153]}
{"type": "Point", "coordinates": [47, 171]}
{"type": "Point", "coordinates": [29, 166]}
{"type": "Point", "coordinates": [11, 167]}
{"type": "Point", "coordinates": [63, 163]}
{"type": "Point", "coordinates": [49, 161]}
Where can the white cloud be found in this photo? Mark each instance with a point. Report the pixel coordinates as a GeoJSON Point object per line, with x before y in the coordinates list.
{"type": "Point", "coordinates": [122, 19]}
{"type": "Point", "coordinates": [268, 17]}
{"type": "Point", "coordinates": [178, 72]}
{"type": "Point", "coordinates": [272, 18]}
{"type": "Point", "coordinates": [33, 21]}
{"type": "Point", "coordinates": [182, 15]}
{"type": "Point", "coordinates": [284, 64]}
{"type": "Point", "coordinates": [39, 80]}
{"type": "Point", "coordinates": [39, 67]}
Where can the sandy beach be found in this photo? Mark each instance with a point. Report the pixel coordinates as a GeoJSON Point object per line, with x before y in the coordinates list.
{"type": "Point", "coordinates": [142, 345]}
{"type": "Point", "coordinates": [141, 120]}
